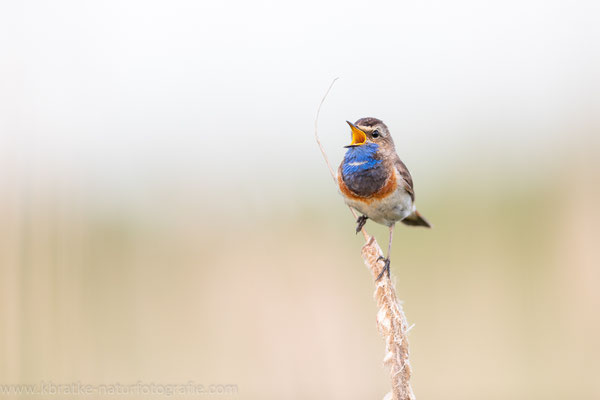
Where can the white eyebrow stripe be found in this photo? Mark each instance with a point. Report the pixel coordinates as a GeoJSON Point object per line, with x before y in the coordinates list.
{"type": "Point", "coordinates": [357, 163]}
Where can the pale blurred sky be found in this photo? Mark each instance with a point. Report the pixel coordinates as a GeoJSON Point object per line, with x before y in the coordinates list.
{"type": "Point", "coordinates": [155, 89]}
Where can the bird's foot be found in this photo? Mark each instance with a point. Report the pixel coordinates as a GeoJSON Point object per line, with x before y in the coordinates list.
{"type": "Point", "coordinates": [361, 221]}
{"type": "Point", "coordinates": [386, 268]}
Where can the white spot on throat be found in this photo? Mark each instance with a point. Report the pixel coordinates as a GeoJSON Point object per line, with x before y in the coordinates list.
{"type": "Point", "coordinates": [357, 163]}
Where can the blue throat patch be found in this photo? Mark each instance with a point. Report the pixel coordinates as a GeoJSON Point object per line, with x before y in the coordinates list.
{"type": "Point", "coordinates": [360, 158]}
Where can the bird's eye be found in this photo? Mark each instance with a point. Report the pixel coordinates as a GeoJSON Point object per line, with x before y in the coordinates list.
{"type": "Point", "coordinates": [375, 133]}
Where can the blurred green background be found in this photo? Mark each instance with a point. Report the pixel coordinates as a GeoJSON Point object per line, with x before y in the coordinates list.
{"type": "Point", "coordinates": [166, 217]}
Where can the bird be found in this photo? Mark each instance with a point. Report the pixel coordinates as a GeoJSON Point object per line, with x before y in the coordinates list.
{"type": "Point", "coordinates": [376, 183]}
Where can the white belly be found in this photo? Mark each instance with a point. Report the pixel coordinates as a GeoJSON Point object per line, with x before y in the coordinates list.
{"type": "Point", "coordinates": [386, 211]}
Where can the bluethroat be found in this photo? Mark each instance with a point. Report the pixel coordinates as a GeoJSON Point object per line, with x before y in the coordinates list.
{"type": "Point", "coordinates": [376, 183]}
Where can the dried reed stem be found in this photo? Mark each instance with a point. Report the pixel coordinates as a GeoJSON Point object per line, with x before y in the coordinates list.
{"type": "Point", "coordinates": [317, 131]}
{"type": "Point", "coordinates": [392, 325]}
{"type": "Point", "coordinates": [391, 321]}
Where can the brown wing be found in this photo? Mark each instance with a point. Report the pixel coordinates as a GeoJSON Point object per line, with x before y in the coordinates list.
{"type": "Point", "coordinates": [408, 182]}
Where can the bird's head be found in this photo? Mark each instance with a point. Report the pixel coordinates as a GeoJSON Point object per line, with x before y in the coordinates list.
{"type": "Point", "coordinates": [370, 130]}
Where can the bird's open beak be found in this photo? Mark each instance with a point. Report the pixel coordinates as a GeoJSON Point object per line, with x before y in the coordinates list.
{"type": "Point", "coordinates": [358, 136]}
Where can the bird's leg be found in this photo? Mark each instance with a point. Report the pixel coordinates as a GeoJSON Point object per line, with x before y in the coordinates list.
{"type": "Point", "coordinates": [361, 221]}
{"type": "Point", "coordinates": [386, 265]}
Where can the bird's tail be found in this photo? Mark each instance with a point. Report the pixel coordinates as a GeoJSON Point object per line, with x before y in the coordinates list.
{"type": "Point", "coordinates": [416, 219]}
